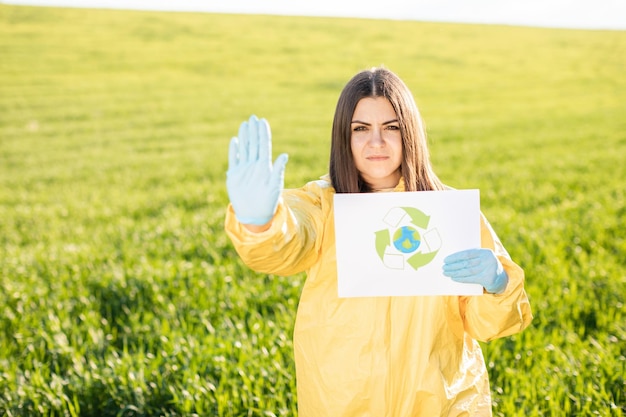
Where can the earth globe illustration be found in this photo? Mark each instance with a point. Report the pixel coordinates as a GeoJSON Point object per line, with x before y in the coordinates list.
{"type": "Point", "coordinates": [406, 239]}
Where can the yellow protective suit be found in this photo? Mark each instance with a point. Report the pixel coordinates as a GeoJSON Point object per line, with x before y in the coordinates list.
{"type": "Point", "coordinates": [379, 356]}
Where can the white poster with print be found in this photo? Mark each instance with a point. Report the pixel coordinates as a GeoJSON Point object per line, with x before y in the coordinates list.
{"type": "Point", "coordinates": [394, 244]}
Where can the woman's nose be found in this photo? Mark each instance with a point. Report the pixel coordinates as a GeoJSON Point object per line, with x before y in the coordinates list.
{"type": "Point", "coordinates": [377, 137]}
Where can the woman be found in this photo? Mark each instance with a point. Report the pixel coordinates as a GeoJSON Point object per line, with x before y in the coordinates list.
{"type": "Point", "coordinates": [371, 356]}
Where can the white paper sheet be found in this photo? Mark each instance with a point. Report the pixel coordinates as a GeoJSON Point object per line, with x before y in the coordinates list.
{"type": "Point", "coordinates": [393, 244]}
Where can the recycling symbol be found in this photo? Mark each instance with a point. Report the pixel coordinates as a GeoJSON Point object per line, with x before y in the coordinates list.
{"type": "Point", "coordinates": [407, 240]}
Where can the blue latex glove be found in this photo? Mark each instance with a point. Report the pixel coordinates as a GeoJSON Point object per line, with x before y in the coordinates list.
{"type": "Point", "coordinates": [477, 266]}
{"type": "Point", "coordinates": [254, 185]}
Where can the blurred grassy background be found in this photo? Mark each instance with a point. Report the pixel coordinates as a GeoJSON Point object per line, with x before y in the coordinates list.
{"type": "Point", "coordinates": [121, 295]}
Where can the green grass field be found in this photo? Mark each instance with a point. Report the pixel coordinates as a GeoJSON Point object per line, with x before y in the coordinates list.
{"type": "Point", "coordinates": [120, 294]}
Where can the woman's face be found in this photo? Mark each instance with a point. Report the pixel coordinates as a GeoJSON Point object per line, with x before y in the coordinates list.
{"type": "Point", "coordinates": [376, 142]}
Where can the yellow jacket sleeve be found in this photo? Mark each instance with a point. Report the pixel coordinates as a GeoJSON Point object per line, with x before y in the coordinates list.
{"type": "Point", "coordinates": [492, 316]}
{"type": "Point", "coordinates": [293, 242]}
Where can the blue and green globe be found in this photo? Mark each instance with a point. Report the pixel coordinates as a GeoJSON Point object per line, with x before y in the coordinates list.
{"type": "Point", "coordinates": [406, 239]}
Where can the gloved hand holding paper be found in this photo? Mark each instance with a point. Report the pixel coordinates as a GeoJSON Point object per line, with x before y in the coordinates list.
{"type": "Point", "coordinates": [477, 266]}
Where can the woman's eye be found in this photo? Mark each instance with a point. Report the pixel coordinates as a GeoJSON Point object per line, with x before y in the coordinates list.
{"type": "Point", "coordinates": [393, 127]}
{"type": "Point", "coordinates": [359, 128]}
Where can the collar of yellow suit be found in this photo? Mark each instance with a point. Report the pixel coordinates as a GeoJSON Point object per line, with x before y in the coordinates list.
{"type": "Point", "coordinates": [399, 187]}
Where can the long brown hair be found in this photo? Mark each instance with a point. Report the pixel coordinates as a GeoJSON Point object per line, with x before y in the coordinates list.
{"type": "Point", "coordinates": [416, 167]}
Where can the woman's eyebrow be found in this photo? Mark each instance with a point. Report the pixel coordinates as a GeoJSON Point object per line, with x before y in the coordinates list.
{"type": "Point", "coordinates": [368, 124]}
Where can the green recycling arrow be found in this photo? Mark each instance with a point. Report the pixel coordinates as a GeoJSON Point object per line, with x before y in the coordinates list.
{"type": "Point", "coordinates": [417, 216]}
{"type": "Point", "coordinates": [382, 241]}
{"type": "Point", "coordinates": [420, 259]}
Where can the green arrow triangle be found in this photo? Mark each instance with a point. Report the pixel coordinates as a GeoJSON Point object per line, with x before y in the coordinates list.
{"type": "Point", "coordinates": [417, 217]}
{"type": "Point", "coordinates": [382, 241]}
{"type": "Point", "coordinates": [420, 259]}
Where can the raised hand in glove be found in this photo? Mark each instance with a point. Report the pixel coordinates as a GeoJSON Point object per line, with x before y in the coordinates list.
{"type": "Point", "coordinates": [254, 185]}
{"type": "Point", "coordinates": [477, 266]}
